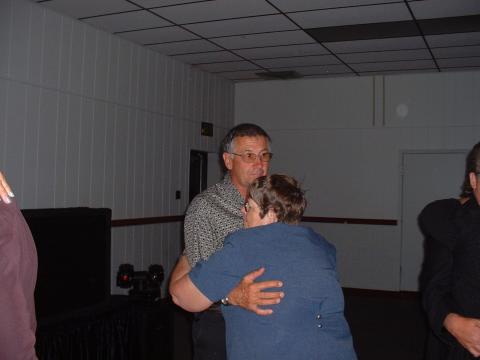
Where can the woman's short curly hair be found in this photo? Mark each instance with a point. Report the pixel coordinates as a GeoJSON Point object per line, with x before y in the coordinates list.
{"type": "Point", "coordinates": [282, 194]}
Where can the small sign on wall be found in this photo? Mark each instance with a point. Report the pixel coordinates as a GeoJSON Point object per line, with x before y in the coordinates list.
{"type": "Point", "coordinates": [207, 129]}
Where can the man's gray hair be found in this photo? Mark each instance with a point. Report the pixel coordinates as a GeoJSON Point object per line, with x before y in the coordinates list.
{"type": "Point", "coordinates": [239, 131]}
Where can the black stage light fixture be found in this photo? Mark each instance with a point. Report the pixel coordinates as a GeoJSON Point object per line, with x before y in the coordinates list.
{"type": "Point", "coordinates": [144, 284]}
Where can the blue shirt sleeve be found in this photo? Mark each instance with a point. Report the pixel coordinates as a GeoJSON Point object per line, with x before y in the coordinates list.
{"type": "Point", "coordinates": [222, 271]}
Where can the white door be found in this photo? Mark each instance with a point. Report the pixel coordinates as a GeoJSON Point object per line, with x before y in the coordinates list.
{"type": "Point", "coordinates": [427, 176]}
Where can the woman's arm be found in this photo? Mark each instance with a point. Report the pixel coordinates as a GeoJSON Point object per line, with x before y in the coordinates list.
{"type": "Point", "coordinates": [184, 293]}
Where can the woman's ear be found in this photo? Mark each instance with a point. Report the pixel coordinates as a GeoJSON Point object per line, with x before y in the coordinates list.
{"type": "Point", "coordinates": [272, 216]}
{"type": "Point", "coordinates": [473, 180]}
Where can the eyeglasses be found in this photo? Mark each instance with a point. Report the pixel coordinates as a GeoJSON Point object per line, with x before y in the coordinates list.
{"type": "Point", "coordinates": [250, 157]}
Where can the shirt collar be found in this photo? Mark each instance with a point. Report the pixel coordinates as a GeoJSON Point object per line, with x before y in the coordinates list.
{"type": "Point", "coordinates": [231, 190]}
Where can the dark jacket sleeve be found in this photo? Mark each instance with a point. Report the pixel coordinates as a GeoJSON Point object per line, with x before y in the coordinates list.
{"type": "Point", "coordinates": [437, 224]}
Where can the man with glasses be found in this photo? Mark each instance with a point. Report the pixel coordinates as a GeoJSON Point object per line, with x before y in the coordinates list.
{"type": "Point", "coordinates": [214, 214]}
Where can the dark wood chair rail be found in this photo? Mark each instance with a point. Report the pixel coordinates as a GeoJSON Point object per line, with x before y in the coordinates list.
{"type": "Point", "coordinates": [147, 220]}
{"type": "Point", "coordinates": [314, 219]}
{"type": "Point", "coordinates": [335, 220]}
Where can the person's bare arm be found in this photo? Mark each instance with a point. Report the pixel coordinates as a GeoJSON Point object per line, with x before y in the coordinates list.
{"type": "Point", "coordinates": [5, 190]}
{"type": "Point", "coordinates": [182, 268]}
{"type": "Point", "coordinates": [465, 330]}
{"type": "Point", "coordinates": [250, 295]}
{"type": "Point", "coordinates": [184, 293]}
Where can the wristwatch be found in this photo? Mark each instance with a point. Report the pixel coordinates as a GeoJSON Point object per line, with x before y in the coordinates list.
{"type": "Point", "coordinates": [225, 302]}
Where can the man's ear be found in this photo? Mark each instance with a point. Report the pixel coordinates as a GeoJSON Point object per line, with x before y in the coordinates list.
{"type": "Point", "coordinates": [473, 180]}
{"type": "Point", "coordinates": [227, 159]}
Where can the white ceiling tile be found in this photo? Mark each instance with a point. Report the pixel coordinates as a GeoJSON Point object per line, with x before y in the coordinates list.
{"type": "Point", "coordinates": [470, 38]}
{"type": "Point", "coordinates": [240, 75]}
{"type": "Point", "coordinates": [185, 47]}
{"type": "Point", "coordinates": [398, 72]}
{"type": "Point", "coordinates": [282, 51]}
{"type": "Point", "coordinates": [413, 42]}
{"type": "Point", "coordinates": [392, 66]}
{"type": "Point", "coordinates": [79, 9]}
{"type": "Point", "coordinates": [160, 35]}
{"type": "Point", "coordinates": [260, 40]}
{"type": "Point", "coordinates": [332, 75]}
{"type": "Point", "coordinates": [459, 62]}
{"type": "Point", "coordinates": [298, 61]}
{"type": "Point", "coordinates": [246, 80]}
{"type": "Point", "coordinates": [210, 57]}
{"type": "Point", "coordinates": [456, 51]}
{"type": "Point", "coordinates": [215, 10]}
{"type": "Point", "coordinates": [444, 8]}
{"type": "Point", "coordinates": [242, 26]}
{"type": "Point", "coordinates": [157, 3]}
{"type": "Point", "coordinates": [467, 68]}
{"type": "Point", "coordinates": [351, 16]}
{"type": "Point", "coordinates": [127, 21]}
{"type": "Point", "coordinates": [383, 56]}
{"type": "Point", "coordinates": [276, 43]}
{"type": "Point", "coordinates": [302, 5]}
{"type": "Point", "coordinates": [228, 66]}
{"type": "Point", "coordinates": [321, 70]}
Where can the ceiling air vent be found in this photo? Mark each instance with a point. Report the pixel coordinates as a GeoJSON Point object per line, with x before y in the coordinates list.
{"type": "Point", "coordinates": [278, 75]}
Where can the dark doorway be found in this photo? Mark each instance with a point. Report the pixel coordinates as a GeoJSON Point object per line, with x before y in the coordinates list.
{"type": "Point", "coordinates": [198, 173]}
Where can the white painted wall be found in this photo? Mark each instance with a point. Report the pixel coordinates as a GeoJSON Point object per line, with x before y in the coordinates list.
{"type": "Point", "coordinates": [89, 119]}
{"type": "Point", "coordinates": [343, 138]}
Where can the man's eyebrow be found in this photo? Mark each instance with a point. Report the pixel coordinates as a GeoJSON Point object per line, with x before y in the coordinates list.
{"type": "Point", "coordinates": [249, 149]}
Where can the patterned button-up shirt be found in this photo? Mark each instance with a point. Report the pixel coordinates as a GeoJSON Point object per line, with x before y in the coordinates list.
{"type": "Point", "coordinates": [211, 216]}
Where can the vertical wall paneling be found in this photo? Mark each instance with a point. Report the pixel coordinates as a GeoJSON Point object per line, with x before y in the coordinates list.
{"type": "Point", "coordinates": [378, 101]}
{"type": "Point", "coordinates": [98, 151]}
{"type": "Point", "coordinates": [35, 45]}
{"type": "Point", "coordinates": [6, 9]}
{"type": "Point", "coordinates": [3, 117]}
{"type": "Point", "coordinates": [72, 149]}
{"type": "Point", "coordinates": [19, 41]}
{"type": "Point", "coordinates": [102, 58]}
{"type": "Point", "coordinates": [46, 148]}
{"type": "Point", "coordinates": [124, 88]}
{"type": "Point", "coordinates": [65, 53]}
{"type": "Point", "coordinates": [148, 165]}
{"type": "Point", "coordinates": [89, 68]}
{"type": "Point", "coordinates": [61, 154]}
{"type": "Point", "coordinates": [89, 119]}
{"type": "Point", "coordinates": [149, 86]}
{"type": "Point", "coordinates": [113, 65]}
{"type": "Point", "coordinates": [109, 155]}
{"type": "Point", "coordinates": [13, 128]}
{"type": "Point", "coordinates": [85, 154]}
{"type": "Point", "coordinates": [28, 187]}
{"type": "Point", "coordinates": [77, 55]}
{"type": "Point", "coordinates": [51, 50]}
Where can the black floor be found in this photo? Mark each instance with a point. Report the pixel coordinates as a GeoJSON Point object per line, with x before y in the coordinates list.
{"type": "Point", "coordinates": [384, 327]}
